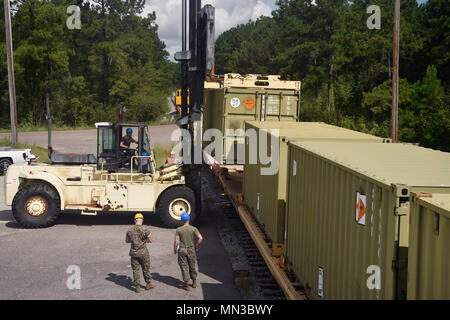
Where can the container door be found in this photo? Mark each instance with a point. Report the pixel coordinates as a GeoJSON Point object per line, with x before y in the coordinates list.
{"type": "Point", "coordinates": [240, 105]}
{"type": "Point", "coordinates": [280, 105]}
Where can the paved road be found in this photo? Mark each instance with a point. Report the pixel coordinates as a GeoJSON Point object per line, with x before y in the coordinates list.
{"type": "Point", "coordinates": [34, 263]}
{"type": "Point", "coordinates": [85, 141]}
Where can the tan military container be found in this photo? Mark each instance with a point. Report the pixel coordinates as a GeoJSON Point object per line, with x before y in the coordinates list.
{"type": "Point", "coordinates": [348, 211]}
{"type": "Point", "coordinates": [249, 98]}
{"type": "Point", "coordinates": [265, 195]}
{"type": "Point", "coordinates": [429, 254]}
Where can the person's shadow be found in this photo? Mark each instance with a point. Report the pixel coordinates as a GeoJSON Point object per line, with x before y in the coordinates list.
{"type": "Point", "coordinates": [170, 281]}
{"type": "Point", "coordinates": [124, 281]}
{"type": "Point", "coordinates": [127, 282]}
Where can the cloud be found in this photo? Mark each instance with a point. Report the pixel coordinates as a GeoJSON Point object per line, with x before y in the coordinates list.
{"type": "Point", "coordinates": [228, 14]}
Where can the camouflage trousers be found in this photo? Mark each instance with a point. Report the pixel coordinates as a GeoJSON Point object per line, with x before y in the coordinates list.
{"type": "Point", "coordinates": [136, 264]}
{"type": "Point", "coordinates": [187, 262]}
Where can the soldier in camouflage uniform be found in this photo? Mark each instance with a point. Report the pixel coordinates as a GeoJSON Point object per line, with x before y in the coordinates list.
{"type": "Point", "coordinates": [138, 236]}
{"type": "Point", "coordinates": [184, 244]}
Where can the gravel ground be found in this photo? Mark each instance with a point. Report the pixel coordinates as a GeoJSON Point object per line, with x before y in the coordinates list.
{"type": "Point", "coordinates": [252, 276]}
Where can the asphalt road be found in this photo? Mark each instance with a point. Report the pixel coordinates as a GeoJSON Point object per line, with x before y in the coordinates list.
{"type": "Point", "coordinates": [85, 141]}
{"type": "Point", "coordinates": [34, 263]}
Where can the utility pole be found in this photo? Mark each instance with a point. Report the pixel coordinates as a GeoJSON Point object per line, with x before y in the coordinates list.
{"type": "Point", "coordinates": [49, 119]}
{"type": "Point", "coordinates": [395, 80]}
{"type": "Point", "coordinates": [12, 87]}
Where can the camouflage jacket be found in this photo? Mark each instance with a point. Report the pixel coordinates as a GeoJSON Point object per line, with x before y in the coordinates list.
{"type": "Point", "coordinates": [138, 237]}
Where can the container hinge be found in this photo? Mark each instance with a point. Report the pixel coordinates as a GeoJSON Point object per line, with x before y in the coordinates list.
{"type": "Point", "coordinates": [399, 264]}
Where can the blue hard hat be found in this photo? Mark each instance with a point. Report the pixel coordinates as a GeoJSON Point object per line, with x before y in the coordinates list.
{"type": "Point", "coordinates": [129, 131]}
{"type": "Point", "coordinates": [185, 217]}
{"type": "Point", "coordinates": [145, 154]}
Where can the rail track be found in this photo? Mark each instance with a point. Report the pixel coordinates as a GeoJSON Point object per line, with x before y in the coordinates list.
{"type": "Point", "coordinates": [252, 275]}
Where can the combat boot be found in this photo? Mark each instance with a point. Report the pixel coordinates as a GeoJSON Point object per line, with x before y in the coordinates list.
{"type": "Point", "coordinates": [194, 284]}
{"type": "Point", "coordinates": [186, 287]}
{"type": "Point", "coordinates": [138, 288]}
{"type": "Point", "coordinates": [149, 286]}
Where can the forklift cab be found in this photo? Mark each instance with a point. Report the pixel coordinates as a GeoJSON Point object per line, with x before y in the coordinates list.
{"type": "Point", "coordinates": [113, 158]}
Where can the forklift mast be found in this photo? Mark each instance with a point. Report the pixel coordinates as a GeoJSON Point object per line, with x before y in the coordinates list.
{"type": "Point", "coordinates": [197, 63]}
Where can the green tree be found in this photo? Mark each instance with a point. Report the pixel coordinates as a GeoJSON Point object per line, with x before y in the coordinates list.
{"type": "Point", "coordinates": [427, 119]}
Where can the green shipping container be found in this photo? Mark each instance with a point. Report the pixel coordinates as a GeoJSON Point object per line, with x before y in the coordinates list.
{"type": "Point", "coordinates": [248, 98]}
{"type": "Point", "coordinates": [265, 195]}
{"type": "Point", "coordinates": [429, 254]}
{"type": "Point", "coordinates": [348, 209]}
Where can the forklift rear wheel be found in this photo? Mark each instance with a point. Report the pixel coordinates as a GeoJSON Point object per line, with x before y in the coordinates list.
{"type": "Point", "coordinates": [36, 206]}
{"type": "Point", "coordinates": [173, 203]}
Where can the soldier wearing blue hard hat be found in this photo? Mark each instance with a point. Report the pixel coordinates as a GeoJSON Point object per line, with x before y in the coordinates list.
{"type": "Point", "coordinates": [185, 217]}
{"type": "Point", "coordinates": [126, 142]}
{"type": "Point", "coordinates": [128, 139]}
{"type": "Point", "coordinates": [185, 245]}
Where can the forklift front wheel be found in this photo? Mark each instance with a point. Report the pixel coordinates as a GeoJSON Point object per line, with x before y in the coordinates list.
{"type": "Point", "coordinates": [173, 203]}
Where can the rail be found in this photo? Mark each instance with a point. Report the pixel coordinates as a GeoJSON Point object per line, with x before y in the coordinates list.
{"type": "Point", "coordinates": [273, 263]}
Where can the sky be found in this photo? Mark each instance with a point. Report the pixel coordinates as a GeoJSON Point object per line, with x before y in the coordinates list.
{"type": "Point", "coordinates": [229, 13]}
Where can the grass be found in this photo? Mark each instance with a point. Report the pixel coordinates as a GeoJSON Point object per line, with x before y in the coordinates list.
{"type": "Point", "coordinates": [161, 123]}
{"type": "Point", "coordinates": [45, 128]}
{"type": "Point", "coordinates": [245, 286]}
{"type": "Point", "coordinates": [161, 154]}
{"type": "Point", "coordinates": [38, 151]}
{"type": "Point", "coordinates": [34, 128]}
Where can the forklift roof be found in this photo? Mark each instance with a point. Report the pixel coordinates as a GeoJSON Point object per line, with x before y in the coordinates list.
{"type": "Point", "coordinates": [131, 124]}
{"type": "Point", "coordinates": [124, 124]}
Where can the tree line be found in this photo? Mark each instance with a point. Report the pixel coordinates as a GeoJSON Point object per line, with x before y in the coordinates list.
{"type": "Point", "coordinates": [346, 68]}
{"type": "Point", "coordinates": [115, 58]}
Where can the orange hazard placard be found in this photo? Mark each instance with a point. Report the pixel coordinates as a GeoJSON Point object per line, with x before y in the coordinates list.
{"type": "Point", "coordinates": [249, 103]}
{"type": "Point", "coordinates": [361, 210]}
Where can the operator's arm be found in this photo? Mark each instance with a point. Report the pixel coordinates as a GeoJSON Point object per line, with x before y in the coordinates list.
{"type": "Point", "coordinates": [123, 146]}
{"type": "Point", "coordinates": [127, 240]}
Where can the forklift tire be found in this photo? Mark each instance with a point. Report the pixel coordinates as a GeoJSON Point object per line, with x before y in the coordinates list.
{"type": "Point", "coordinates": [4, 165]}
{"type": "Point", "coordinates": [36, 206]}
{"type": "Point", "coordinates": [173, 203]}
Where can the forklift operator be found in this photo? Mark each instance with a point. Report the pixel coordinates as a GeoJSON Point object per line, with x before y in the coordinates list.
{"type": "Point", "coordinates": [127, 140]}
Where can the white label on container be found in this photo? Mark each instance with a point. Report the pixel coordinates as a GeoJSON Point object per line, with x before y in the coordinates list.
{"type": "Point", "coordinates": [235, 102]}
{"type": "Point", "coordinates": [320, 290]}
{"type": "Point", "coordinates": [361, 202]}
{"type": "Point", "coordinates": [294, 168]}
{"type": "Point", "coordinates": [263, 107]}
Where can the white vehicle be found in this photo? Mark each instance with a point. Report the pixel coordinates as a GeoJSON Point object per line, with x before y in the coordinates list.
{"type": "Point", "coordinates": [10, 156]}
